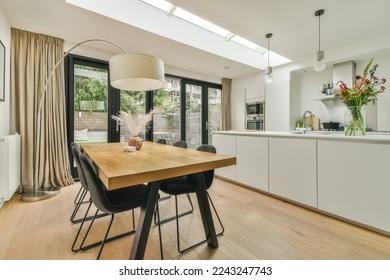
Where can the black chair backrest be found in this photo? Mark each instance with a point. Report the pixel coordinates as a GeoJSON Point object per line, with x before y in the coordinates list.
{"type": "Point", "coordinates": [96, 188]}
{"type": "Point", "coordinates": [76, 151]}
{"type": "Point", "coordinates": [181, 144]}
{"type": "Point", "coordinates": [208, 175]}
{"type": "Point", "coordinates": [162, 141]}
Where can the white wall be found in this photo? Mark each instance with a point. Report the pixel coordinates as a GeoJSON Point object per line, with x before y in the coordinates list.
{"type": "Point", "coordinates": [287, 106]}
{"type": "Point", "coordinates": [383, 105]}
{"type": "Point", "coordinates": [378, 116]}
{"type": "Point", "coordinates": [5, 37]}
{"type": "Point", "coordinates": [251, 86]}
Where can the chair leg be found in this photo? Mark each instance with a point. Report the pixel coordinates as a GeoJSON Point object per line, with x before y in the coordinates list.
{"type": "Point", "coordinates": [180, 215]}
{"type": "Point", "coordinates": [77, 208]}
{"type": "Point", "coordinates": [76, 200]}
{"type": "Point", "coordinates": [81, 195]}
{"type": "Point", "coordinates": [216, 213]}
{"type": "Point", "coordinates": [81, 225]}
{"type": "Point", "coordinates": [84, 248]}
{"type": "Point", "coordinates": [105, 236]}
{"type": "Point", "coordinates": [201, 242]}
{"type": "Point", "coordinates": [159, 231]}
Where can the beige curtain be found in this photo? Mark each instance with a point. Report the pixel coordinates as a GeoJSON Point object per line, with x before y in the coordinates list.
{"type": "Point", "coordinates": [226, 92]}
{"type": "Point", "coordinates": [45, 161]}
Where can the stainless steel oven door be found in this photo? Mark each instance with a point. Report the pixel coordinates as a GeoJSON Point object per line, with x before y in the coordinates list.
{"type": "Point", "coordinates": [255, 125]}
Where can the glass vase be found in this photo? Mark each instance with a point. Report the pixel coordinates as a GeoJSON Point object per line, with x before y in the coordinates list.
{"type": "Point", "coordinates": [355, 121]}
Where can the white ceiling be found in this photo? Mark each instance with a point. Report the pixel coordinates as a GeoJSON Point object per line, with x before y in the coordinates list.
{"type": "Point", "coordinates": [292, 22]}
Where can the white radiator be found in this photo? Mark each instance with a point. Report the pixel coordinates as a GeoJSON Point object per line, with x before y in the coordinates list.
{"type": "Point", "coordinates": [10, 151]}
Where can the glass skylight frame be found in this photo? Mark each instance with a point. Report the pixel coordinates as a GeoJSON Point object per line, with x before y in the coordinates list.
{"type": "Point", "coordinates": [159, 4]}
{"type": "Point", "coordinates": [246, 43]}
{"type": "Point", "coordinates": [202, 23]}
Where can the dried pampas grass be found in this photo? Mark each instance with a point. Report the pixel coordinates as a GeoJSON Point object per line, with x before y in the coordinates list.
{"type": "Point", "coordinates": [135, 123]}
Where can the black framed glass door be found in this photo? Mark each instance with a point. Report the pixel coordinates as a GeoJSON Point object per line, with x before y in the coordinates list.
{"type": "Point", "coordinates": [202, 113]}
{"type": "Point", "coordinates": [90, 103]}
{"type": "Point", "coordinates": [188, 109]}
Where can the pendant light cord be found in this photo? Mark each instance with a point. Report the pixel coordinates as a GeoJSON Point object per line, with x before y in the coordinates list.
{"type": "Point", "coordinates": [268, 51]}
{"type": "Point", "coordinates": [268, 36]}
{"type": "Point", "coordinates": [319, 33]}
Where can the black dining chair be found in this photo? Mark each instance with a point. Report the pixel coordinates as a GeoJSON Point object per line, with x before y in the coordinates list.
{"type": "Point", "coordinates": [162, 141]}
{"type": "Point", "coordinates": [81, 197]}
{"type": "Point", "coordinates": [111, 202]}
{"type": "Point", "coordinates": [76, 155]}
{"type": "Point", "coordinates": [186, 185]}
{"type": "Point", "coordinates": [180, 144]}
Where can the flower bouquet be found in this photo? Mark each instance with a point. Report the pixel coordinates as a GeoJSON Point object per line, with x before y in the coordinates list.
{"type": "Point", "coordinates": [364, 90]}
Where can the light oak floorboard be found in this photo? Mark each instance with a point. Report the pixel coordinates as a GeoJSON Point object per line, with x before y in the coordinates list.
{"type": "Point", "coordinates": [257, 227]}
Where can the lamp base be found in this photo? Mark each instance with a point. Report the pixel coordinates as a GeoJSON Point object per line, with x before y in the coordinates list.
{"type": "Point", "coordinates": [41, 194]}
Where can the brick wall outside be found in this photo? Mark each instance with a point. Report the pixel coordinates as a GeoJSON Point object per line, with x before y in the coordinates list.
{"type": "Point", "coordinates": [97, 121]}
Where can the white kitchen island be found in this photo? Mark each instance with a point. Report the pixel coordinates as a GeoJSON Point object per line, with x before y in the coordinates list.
{"type": "Point", "coordinates": [345, 176]}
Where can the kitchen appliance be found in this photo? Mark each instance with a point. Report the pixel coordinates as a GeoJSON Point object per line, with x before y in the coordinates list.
{"type": "Point", "coordinates": [331, 125]}
{"type": "Point", "coordinates": [255, 108]}
{"type": "Point", "coordinates": [255, 124]}
{"type": "Point", "coordinates": [255, 115]}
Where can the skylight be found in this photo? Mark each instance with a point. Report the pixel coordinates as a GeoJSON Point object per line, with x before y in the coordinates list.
{"type": "Point", "coordinates": [202, 23]}
{"type": "Point", "coordinates": [248, 44]}
{"type": "Point", "coordinates": [187, 16]}
{"type": "Point", "coordinates": [159, 4]}
{"type": "Point", "coordinates": [169, 21]}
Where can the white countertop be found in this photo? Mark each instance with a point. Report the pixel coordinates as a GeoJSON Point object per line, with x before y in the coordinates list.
{"type": "Point", "coordinates": [331, 135]}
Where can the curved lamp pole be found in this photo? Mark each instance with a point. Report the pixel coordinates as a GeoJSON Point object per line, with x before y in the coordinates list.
{"type": "Point", "coordinates": [128, 71]}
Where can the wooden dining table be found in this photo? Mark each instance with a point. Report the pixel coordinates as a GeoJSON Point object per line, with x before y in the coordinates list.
{"type": "Point", "coordinates": [151, 164]}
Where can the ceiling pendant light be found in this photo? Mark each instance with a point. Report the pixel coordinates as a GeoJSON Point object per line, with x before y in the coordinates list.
{"type": "Point", "coordinates": [268, 70]}
{"type": "Point", "coordinates": [319, 58]}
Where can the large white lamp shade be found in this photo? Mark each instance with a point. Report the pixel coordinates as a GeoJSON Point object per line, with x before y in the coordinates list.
{"type": "Point", "coordinates": [136, 72]}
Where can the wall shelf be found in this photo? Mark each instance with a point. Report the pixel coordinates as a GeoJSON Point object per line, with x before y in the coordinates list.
{"type": "Point", "coordinates": [325, 97]}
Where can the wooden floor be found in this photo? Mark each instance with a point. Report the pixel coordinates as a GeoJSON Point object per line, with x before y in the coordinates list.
{"type": "Point", "coordinates": [257, 227]}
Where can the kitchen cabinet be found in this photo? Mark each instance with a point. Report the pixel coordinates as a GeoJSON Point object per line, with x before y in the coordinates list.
{"type": "Point", "coordinates": [226, 145]}
{"type": "Point", "coordinates": [277, 106]}
{"type": "Point", "coordinates": [292, 169]}
{"type": "Point", "coordinates": [354, 181]}
{"type": "Point", "coordinates": [346, 177]}
{"type": "Point", "coordinates": [252, 162]}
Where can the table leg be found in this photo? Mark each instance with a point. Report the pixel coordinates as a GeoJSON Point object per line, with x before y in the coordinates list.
{"type": "Point", "coordinates": [204, 208]}
{"type": "Point", "coordinates": [144, 223]}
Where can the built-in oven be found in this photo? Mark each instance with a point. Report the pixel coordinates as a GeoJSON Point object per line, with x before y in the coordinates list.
{"type": "Point", "coordinates": [255, 115]}
{"type": "Point", "coordinates": [255, 124]}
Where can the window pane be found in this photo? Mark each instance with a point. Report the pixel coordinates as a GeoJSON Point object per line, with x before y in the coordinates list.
{"type": "Point", "coordinates": [193, 115]}
{"type": "Point", "coordinates": [90, 104]}
{"type": "Point", "coordinates": [214, 111]}
{"type": "Point", "coordinates": [166, 121]}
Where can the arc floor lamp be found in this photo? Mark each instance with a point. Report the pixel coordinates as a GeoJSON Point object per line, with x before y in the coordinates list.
{"type": "Point", "coordinates": [128, 71]}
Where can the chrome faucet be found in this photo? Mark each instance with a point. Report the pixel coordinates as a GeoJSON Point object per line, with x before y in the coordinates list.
{"type": "Point", "coordinates": [304, 116]}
